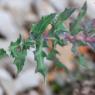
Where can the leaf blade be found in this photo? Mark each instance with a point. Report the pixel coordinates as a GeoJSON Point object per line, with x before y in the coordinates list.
{"type": "Point", "coordinates": [75, 25]}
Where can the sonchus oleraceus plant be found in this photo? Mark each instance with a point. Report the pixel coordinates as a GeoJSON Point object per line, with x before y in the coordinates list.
{"type": "Point", "coordinates": [37, 39]}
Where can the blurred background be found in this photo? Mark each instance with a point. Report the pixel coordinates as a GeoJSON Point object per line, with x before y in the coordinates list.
{"type": "Point", "coordinates": [17, 16]}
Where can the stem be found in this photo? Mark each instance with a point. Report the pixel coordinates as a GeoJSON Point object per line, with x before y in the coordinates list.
{"type": "Point", "coordinates": [71, 38]}
{"type": "Point", "coordinates": [49, 38]}
{"type": "Point", "coordinates": [79, 38]}
{"type": "Point", "coordinates": [90, 39]}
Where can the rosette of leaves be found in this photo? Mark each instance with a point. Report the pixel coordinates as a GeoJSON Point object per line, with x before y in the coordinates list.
{"type": "Point", "coordinates": [18, 49]}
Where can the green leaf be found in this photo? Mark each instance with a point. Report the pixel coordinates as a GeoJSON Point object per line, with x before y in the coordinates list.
{"type": "Point", "coordinates": [20, 59]}
{"type": "Point", "coordinates": [15, 47]}
{"type": "Point", "coordinates": [18, 52]}
{"type": "Point", "coordinates": [52, 54]}
{"type": "Point", "coordinates": [75, 25]}
{"type": "Point", "coordinates": [39, 57]}
{"type": "Point", "coordinates": [45, 43]}
{"type": "Point", "coordinates": [60, 18]}
{"type": "Point", "coordinates": [61, 65]}
{"type": "Point", "coordinates": [82, 60]}
{"type": "Point", "coordinates": [81, 43]}
{"type": "Point", "coordinates": [28, 43]}
{"type": "Point", "coordinates": [39, 28]}
{"type": "Point", "coordinates": [59, 41]}
{"type": "Point", "coordinates": [65, 15]}
{"type": "Point", "coordinates": [58, 26]}
{"type": "Point", "coordinates": [2, 53]}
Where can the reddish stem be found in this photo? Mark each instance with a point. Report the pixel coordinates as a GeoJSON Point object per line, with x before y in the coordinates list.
{"type": "Point", "coordinates": [79, 38]}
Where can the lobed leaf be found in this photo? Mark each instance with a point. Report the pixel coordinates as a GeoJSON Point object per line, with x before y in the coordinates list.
{"type": "Point", "coordinates": [39, 28]}
{"type": "Point", "coordinates": [2, 53]}
{"type": "Point", "coordinates": [75, 25]}
{"type": "Point", "coordinates": [18, 52]}
{"type": "Point", "coordinates": [39, 57]}
{"type": "Point", "coordinates": [64, 15]}
{"type": "Point", "coordinates": [20, 59]}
